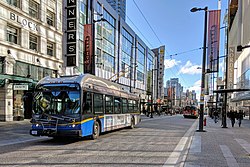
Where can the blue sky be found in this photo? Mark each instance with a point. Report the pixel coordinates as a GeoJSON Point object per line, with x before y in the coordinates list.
{"type": "Point", "coordinates": [179, 30]}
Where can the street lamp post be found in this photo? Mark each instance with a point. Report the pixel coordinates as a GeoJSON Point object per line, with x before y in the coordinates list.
{"type": "Point", "coordinates": [203, 68]}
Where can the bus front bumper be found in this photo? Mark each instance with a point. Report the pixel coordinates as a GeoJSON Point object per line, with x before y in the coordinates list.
{"type": "Point", "coordinates": [54, 133]}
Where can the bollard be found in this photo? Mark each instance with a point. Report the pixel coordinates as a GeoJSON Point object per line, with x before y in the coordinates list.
{"type": "Point", "coordinates": [205, 121]}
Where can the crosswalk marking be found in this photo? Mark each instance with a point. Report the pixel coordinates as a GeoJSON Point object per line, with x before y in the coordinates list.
{"type": "Point", "coordinates": [178, 152]}
{"type": "Point", "coordinates": [231, 161]}
{"type": "Point", "coordinates": [244, 144]}
{"type": "Point", "coordinates": [196, 145]}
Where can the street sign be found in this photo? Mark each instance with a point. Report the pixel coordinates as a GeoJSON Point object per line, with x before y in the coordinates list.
{"type": "Point", "coordinates": [21, 87]}
{"type": "Point", "coordinates": [230, 73]}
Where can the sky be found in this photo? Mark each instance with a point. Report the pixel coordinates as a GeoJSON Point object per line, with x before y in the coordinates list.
{"type": "Point", "coordinates": [181, 31]}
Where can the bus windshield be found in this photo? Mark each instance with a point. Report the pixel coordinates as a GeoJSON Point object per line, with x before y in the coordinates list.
{"type": "Point", "coordinates": [57, 99]}
{"type": "Point", "coordinates": [190, 108]}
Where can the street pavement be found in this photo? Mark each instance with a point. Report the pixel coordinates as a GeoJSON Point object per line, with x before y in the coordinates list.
{"type": "Point", "coordinates": [220, 146]}
{"type": "Point", "coordinates": [16, 132]}
{"type": "Point", "coordinates": [217, 147]}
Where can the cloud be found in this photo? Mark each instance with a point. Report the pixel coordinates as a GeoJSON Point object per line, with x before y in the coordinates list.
{"type": "Point", "coordinates": [196, 86]}
{"type": "Point", "coordinates": [190, 68]}
{"type": "Point", "coordinates": [169, 63]}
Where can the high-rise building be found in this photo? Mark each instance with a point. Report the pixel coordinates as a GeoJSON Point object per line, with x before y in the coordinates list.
{"type": "Point", "coordinates": [175, 90]}
{"type": "Point", "coordinates": [31, 48]}
{"type": "Point", "coordinates": [159, 67]}
{"type": "Point", "coordinates": [99, 42]}
{"type": "Point", "coordinates": [119, 6]}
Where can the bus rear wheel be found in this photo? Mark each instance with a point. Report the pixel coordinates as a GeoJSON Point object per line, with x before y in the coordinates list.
{"type": "Point", "coordinates": [96, 131]}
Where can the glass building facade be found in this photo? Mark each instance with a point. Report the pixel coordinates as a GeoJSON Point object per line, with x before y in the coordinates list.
{"type": "Point", "coordinates": [119, 53]}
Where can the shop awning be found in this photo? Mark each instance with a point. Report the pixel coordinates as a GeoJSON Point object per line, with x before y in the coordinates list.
{"type": "Point", "coordinates": [230, 90]}
{"type": "Point", "coordinates": [14, 78]}
{"type": "Point", "coordinates": [243, 97]}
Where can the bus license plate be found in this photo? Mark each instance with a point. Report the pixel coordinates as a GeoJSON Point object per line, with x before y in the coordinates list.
{"type": "Point", "coordinates": [33, 132]}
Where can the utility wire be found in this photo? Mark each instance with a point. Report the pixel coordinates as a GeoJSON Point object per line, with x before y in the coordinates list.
{"type": "Point", "coordinates": [147, 21]}
{"type": "Point", "coordinates": [177, 72]}
{"type": "Point", "coordinates": [185, 52]}
{"type": "Point", "coordinates": [140, 31]}
{"type": "Point", "coordinates": [174, 74]}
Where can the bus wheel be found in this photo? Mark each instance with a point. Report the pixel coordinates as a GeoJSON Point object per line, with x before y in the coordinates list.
{"type": "Point", "coordinates": [96, 130]}
{"type": "Point", "coordinates": [132, 126]}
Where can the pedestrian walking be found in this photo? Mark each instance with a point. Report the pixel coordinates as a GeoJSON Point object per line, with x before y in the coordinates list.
{"type": "Point", "coordinates": [240, 117]}
{"type": "Point", "coordinates": [232, 116]}
{"type": "Point", "coordinates": [216, 115]}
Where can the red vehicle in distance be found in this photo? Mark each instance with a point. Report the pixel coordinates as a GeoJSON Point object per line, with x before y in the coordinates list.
{"type": "Point", "coordinates": [190, 112]}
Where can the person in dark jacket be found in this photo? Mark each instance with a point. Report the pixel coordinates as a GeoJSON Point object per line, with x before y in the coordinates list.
{"type": "Point", "coordinates": [240, 117]}
{"type": "Point", "coordinates": [232, 116]}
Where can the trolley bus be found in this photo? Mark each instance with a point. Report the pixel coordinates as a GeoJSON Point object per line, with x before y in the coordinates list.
{"type": "Point", "coordinates": [190, 112]}
{"type": "Point", "coordinates": [82, 105]}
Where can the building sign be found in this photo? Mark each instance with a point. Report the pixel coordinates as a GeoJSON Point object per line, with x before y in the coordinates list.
{"type": "Point", "coordinates": [230, 72]}
{"type": "Point", "coordinates": [213, 41]}
{"type": "Point", "coordinates": [149, 83]}
{"type": "Point", "coordinates": [21, 87]}
{"type": "Point", "coordinates": [88, 41]}
{"type": "Point", "coordinates": [24, 22]}
{"type": "Point", "coordinates": [71, 33]}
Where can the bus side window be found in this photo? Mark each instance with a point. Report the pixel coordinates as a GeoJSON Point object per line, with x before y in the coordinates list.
{"type": "Point", "coordinates": [130, 106]}
{"type": "Point", "coordinates": [98, 103]}
{"type": "Point", "coordinates": [117, 102]}
{"type": "Point", "coordinates": [108, 105]}
{"type": "Point", "coordinates": [136, 106]}
{"type": "Point", "coordinates": [124, 105]}
{"type": "Point", "coordinates": [87, 103]}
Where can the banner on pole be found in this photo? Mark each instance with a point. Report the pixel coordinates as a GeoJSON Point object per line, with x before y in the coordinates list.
{"type": "Point", "coordinates": [88, 41]}
{"type": "Point", "coordinates": [213, 41]}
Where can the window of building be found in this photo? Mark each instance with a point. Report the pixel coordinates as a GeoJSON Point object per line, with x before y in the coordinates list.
{"type": "Point", "coordinates": [50, 18]}
{"type": "Point", "coordinates": [109, 62]}
{"type": "Point", "coordinates": [21, 69]}
{"type": "Point", "coordinates": [33, 42]}
{"type": "Point", "coordinates": [2, 64]}
{"type": "Point", "coordinates": [15, 3]}
{"type": "Point", "coordinates": [140, 76]}
{"type": "Point", "coordinates": [50, 48]}
{"type": "Point", "coordinates": [13, 34]}
{"type": "Point", "coordinates": [33, 9]}
{"type": "Point", "coordinates": [98, 103]}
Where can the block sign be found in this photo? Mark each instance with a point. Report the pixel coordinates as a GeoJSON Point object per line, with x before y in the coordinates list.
{"type": "Point", "coordinates": [71, 32]}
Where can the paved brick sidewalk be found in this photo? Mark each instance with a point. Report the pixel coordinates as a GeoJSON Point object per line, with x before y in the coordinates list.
{"type": "Point", "coordinates": [15, 132]}
{"type": "Point", "coordinates": [219, 147]}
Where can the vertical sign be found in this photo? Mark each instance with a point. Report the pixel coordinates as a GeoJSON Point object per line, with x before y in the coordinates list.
{"type": "Point", "coordinates": [71, 32]}
{"type": "Point", "coordinates": [149, 80]}
{"type": "Point", "coordinates": [88, 41]}
{"type": "Point", "coordinates": [213, 41]}
{"type": "Point", "coordinates": [230, 72]}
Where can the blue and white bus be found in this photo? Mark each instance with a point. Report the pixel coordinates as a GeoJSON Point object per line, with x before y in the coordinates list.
{"type": "Point", "coordinates": [82, 105]}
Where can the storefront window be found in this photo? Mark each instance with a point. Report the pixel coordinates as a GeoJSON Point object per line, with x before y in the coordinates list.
{"type": "Point", "coordinates": [18, 106]}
